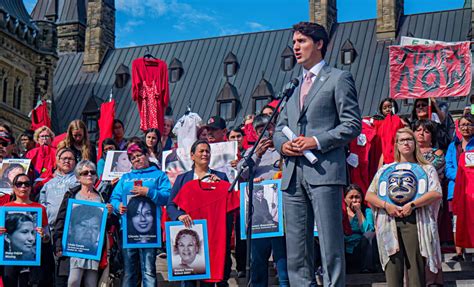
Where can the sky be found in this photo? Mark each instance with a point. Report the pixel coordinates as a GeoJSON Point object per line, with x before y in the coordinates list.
{"type": "Point", "coordinates": [140, 22]}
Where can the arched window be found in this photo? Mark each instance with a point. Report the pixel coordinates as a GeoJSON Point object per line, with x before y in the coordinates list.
{"type": "Point", "coordinates": [17, 94]}
{"type": "Point", "coordinates": [5, 89]}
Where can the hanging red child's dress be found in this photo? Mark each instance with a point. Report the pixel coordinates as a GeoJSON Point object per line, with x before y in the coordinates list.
{"type": "Point", "coordinates": [151, 91]}
{"type": "Point", "coordinates": [463, 201]}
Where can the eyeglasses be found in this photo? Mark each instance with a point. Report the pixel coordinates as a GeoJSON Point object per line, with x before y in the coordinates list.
{"type": "Point", "coordinates": [465, 126]}
{"type": "Point", "coordinates": [405, 141]}
{"type": "Point", "coordinates": [45, 137]}
{"type": "Point", "coordinates": [136, 157]}
{"type": "Point", "coordinates": [22, 184]}
{"type": "Point", "coordinates": [64, 159]}
{"type": "Point", "coordinates": [88, 172]}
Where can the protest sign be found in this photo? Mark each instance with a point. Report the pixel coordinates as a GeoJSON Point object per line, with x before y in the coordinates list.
{"type": "Point", "coordinates": [425, 71]}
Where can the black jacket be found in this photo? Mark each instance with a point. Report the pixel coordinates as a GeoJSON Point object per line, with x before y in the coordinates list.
{"type": "Point", "coordinates": [59, 226]}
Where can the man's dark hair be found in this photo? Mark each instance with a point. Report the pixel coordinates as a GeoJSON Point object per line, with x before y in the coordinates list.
{"type": "Point", "coordinates": [236, 129]}
{"type": "Point", "coordinates": [315, 31]}
{"type": "Point", "coordinates": [29, 134]}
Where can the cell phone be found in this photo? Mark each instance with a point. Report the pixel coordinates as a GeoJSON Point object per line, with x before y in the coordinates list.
{"type": "Point", "coordinates": [138, 183]}
{"type": "Point", "coordinates": [266, 134]}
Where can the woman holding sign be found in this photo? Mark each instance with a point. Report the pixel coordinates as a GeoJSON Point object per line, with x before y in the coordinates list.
{"type": "Point", "coordinates": [80, 269]}
{"type": "Point", "coordinates": [21, 232]}
{"type": "Point", "coordinates": [405, 197]}
{"type": "Point", "coordinates": [144, 180]}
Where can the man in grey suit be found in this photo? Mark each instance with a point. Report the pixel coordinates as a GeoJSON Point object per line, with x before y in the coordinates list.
{"type": "Point", "coordinates": [324, 112]}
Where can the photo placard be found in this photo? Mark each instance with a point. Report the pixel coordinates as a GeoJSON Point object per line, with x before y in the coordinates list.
{"type": "Point", "coordinates": [21, 243]}
{"type": "Point", "coordinates": [267, 217]}
{"type": "Point", "coordinates": [188, 251]}
{"type": "Point", "coordinates": [141, 224]}
{"type": "Point", "coordinates": [84, 229]}
{"type": "Point", "coordinates": [116, 165]}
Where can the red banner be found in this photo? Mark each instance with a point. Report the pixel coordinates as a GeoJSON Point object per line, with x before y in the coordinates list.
{"type": "Point", "coordinates": [426, 71]}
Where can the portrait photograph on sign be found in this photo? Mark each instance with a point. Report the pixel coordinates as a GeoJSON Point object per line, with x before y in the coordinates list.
{"type": "Point", "coordinates": [267, 217]}
{"type": "Point", "coordinates": [178, 161]}
{"type": "Point", "coordinates": [141, 224]}
{"type": "Point", "coordinates": [116, 164]}
{"type": "Point", "coordinates": [84, 230]}
{"type": "Point", "coordinates": [21, 242]}
{"type": "Point", "coordinates": [9, 168]}
{"type": "Point", "coordinates": [188, 251]}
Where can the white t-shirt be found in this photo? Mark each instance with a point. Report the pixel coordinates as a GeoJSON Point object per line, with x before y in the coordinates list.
{"type": "Point", "coordinates": [186, 130]}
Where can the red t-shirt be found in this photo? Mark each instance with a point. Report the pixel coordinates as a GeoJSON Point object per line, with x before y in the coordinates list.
{"type": "Point", "coordinates": [44, 217]}
{"type": "Point", "coordinates": [210, 201]}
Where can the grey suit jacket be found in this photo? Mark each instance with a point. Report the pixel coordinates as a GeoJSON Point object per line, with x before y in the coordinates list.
{"type": "Point", "coordinates": [331, 114]}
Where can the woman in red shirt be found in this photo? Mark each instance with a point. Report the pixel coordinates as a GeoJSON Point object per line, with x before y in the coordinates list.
{"type": "Point", "coordinates": [16, 275]}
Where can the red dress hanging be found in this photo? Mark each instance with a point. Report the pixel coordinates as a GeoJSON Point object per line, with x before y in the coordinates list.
{"type": "Point", "coordinates": [387, 131]}
{"type": "Point", "coordinates": [151, 91]}
{"type": "Point", "coordinates": [106, 124]}
{"type": "Point", "coordinates": [40, 116]}
{"type": "Point", "coordinates": [463, 203]}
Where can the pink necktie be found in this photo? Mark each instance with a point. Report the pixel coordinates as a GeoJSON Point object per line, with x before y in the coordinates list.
{"type": "Point", "coordinates": [305, 87]}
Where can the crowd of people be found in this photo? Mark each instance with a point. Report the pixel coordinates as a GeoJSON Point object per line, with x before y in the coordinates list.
{"type": "Point", "coordinates": [401, 205]}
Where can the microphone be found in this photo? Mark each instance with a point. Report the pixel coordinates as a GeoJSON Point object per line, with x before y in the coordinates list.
{"type": "Point", "coordinates": [290, 88]}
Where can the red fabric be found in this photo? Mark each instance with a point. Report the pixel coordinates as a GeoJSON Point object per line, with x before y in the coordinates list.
{"type": "Point", "coordinates": [4, 199]}
{"type": "Point", "coordinates": [44, 216]}
{"type": "Point", "coordinates": [463, 204]}
{"type": "Point", "coordinates": [387, 130]}
{"type": "Point", "coordinates": [250, 136]}
{"type": "Point", "coordinates": [457, 130]}
{"type": "Point", "coordinates": [40, 116]}
{"type": "Point", "coordinates": [151, 91]}
{"type": "Point", "coordinates": [43, 160]}
{"type": "Point", "coordinates": [438, 74]}
{"type": "Point", "coordinates": [346, 224]}
{"type": "Point", "coordinates": [106, 124]}
{"type": "Point", "coordinates": [212, 205]}
{"type": "Point", "coordinates": [58, 139]}
{"type": "Point", "coordinates": [361, 175]}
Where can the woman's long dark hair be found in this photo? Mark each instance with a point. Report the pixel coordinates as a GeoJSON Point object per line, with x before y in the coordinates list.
{"type": "Point", "coordinates": [132, 208]}
{"type": "Point", "coordinates": [158, 148]}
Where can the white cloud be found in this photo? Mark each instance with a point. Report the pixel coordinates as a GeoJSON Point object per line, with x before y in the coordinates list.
{"type": "Point", "coordinates": [130, 26]}
{"type": "Point", "coordinates": [255, 26]}
{"type": "Point", "coordinates": [140, 8]}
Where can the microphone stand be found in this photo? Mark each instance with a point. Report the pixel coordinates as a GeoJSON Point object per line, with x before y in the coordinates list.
{"type": "Point", "coordinates": [250, 164]}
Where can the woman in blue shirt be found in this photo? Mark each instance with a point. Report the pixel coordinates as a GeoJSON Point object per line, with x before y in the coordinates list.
{"type": "Point", "coordinates": [361, 244]}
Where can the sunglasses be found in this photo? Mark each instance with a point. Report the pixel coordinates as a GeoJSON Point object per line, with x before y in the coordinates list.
{"type": "Point", "coordinates": [88, 172]}
{"type": "Point", "coordinates": [421, 106]}
{"type": "Point", "coordinates": [22, 184]}
{"type": "Point", "coordinates": [4, 144]}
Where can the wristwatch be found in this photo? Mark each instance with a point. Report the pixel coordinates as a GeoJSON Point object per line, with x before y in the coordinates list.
{"type": "Point", "coordinates": [412, 205]}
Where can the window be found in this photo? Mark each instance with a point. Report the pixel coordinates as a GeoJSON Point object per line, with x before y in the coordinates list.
{"type": "Point", "coordinates": [228, 101]}
{"type": "Point", "coordinates": [288, 59]}
{"type": "Point", "coordinates": [226, 110]}
{"type": "Point", "coordinates": [5, 90]}
{"type": "Point", "coordinates": [175, 70]}
{"type": "Point", "coordinates": [259, 104]}
{"type": "Point", "coordinates": [17, 93]}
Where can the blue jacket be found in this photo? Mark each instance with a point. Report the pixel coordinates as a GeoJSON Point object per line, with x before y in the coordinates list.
{"type": "Point", "coordinates": [452, 163]}
{"type": "Point", "coordinates": [171, 208]}
{"type": "Point", "coordinates": [157, 182]}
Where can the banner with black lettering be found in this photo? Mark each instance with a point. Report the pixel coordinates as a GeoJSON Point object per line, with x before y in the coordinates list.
{"type": "Point", "coordinates": [426, 71]}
